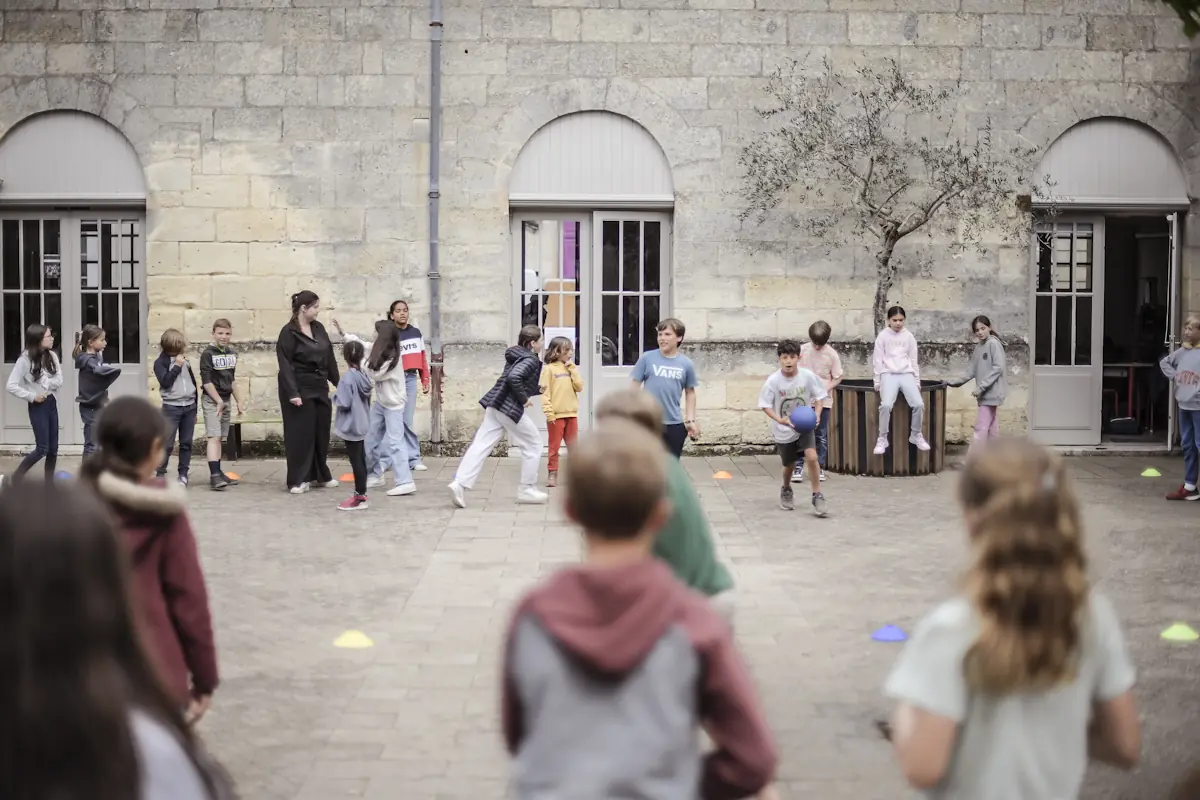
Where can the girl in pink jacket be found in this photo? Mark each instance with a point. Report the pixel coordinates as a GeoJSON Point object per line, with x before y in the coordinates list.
{"type": "Point", "coordinates": [897, 370]}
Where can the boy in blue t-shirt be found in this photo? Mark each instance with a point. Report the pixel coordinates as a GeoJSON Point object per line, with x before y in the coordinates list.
{"type": "Point", "coordinates": [667, 376]}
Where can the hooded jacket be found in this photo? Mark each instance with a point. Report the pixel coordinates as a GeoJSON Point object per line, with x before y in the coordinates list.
{"type": "Point", "coordinates": [352, 406]}
{"type": "Point", "coordinates": [518, 382]}
{"type": "Point", "coordinates": [94, 379]}
{"type": "Point", "coordinates": [987, 370]}
{"type": "Point", "coordinates": [170, 598]}
{"type": "Point", "coordinates": [168, 372]}
{"type": "Point", "coordinates": [608, 673]}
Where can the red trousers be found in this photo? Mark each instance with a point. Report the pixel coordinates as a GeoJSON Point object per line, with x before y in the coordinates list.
{"type": "Point", "coordinates": [564, 428]}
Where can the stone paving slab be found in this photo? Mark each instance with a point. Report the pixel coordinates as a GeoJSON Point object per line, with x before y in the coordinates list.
{"type": "Point", "coordinates": [415, 716]}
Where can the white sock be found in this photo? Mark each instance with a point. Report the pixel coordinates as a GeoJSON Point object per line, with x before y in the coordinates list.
{"type": "Point", "coordinates": [1191, 487]}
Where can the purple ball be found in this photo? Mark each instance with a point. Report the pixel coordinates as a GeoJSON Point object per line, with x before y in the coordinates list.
{"type": "Point", "coordinates": [804, 419]}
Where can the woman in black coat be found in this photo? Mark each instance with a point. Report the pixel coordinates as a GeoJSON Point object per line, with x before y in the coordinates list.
{"type": "Point", "coordinates": [306, 368]}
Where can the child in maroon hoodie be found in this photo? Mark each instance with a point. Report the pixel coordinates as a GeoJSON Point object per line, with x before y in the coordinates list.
{"type": "Point", "coordinates": [612, 666]}
{"type": "Point", "coordinates": [169, 593]}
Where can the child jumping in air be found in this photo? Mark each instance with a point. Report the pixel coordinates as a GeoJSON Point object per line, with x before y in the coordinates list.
{"type": "Point", "coordinates": [94, 379]}
{"type": "Point", "coordinates": [352, 421]}
{"type": "Point", "coordinates": [1008, 689]}
{"type": "Point", "coordinates": [35, 378]}
{"type": "Point", "coordinates": [505, 410]}
{"type": "Point", "coordinates": [668, 375]}
{"type": "Point", "coordinates": [819, 356]}
{"type": "Point", "coordinates": [1183, 367]}
{"type": "Point", "coordinates": [987, 370]}
{"type": "Point", "coordinates": [786, 389]}
{"type": "Point", "coordinates": [897, 371]}
{"type": "Point", "coordinates": [560, 384]}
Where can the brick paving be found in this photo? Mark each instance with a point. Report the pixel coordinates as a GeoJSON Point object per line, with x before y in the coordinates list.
{"type": "Point", "coordinates": [414, 716]}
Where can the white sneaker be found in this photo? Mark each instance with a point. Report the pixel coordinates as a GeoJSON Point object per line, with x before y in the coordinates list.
{"type": "Point", "coordinates": [375, 481]}
{"type": "Point", "coordinates": [418, 468]}
{"type": "Point", "coordinates": [824, 477]}
{"type": "Point", "coordinates": [458, 494]}
{"type": "Point", "coordinates": [798, 475]}
{"type": "Point", "coordinates": [531, 495]}
{"type": "Point", "coordinates": [881, 446]}
{"type": "Point", "coordinates": [919, 440]}
{"type": "Point", "coordinates": [330, 484]}
{"type": "Point", "coordinates": [301, 489]}
{"type": "Point", "coordinates": [402, 489]}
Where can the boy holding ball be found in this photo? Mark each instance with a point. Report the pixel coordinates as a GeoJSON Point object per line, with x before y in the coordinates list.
{"type": "Point", "coordinates": [788, 388]}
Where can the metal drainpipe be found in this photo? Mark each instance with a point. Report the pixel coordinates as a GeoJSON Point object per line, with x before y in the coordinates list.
{"type": "Point", "coordinates": [435, 278]}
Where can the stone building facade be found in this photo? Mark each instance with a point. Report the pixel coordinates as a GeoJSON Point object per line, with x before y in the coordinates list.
{"type": "Point", "coordinates": [282, 145]}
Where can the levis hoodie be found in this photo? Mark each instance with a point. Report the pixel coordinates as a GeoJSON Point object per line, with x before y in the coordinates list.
{"type": "Point", "coordinates": [1183, 367]}
{"type": "Point", "coordinates": [608, 672]}
{"type": "Point", "coordinates": [895, 353]}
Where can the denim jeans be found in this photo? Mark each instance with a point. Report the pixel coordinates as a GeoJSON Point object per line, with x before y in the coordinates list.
{"type": "Point", "coordinates": [1189, 440]}
{"type": "Point", "coordinates": [181, 420]}
{"type": "Point", "coordinates": [823, 436]}
{"type": "Point", "coordinates": [43, 418]}
{"type": "Point", "coordinates": [411, 442]}
{"type": "Point", "coordinates": [88, 414]}
{"type": "Point", "coordinates": [386, 447]}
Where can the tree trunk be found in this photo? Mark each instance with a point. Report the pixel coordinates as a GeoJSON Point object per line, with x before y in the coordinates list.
{"type": "Point", "coordinates": [886, 272]}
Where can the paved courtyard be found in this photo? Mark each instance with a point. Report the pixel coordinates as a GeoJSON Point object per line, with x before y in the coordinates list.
{"type": "Point", "coordinates": [415, 715]}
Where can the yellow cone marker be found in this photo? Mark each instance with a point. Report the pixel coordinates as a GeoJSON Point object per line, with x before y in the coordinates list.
{"type": "Point", "coordinates": [722, 475]}
{"type": "Point", "coordinates": [353, 640]}
{"type": "Point", "coordinates": [1179, 632]}
{"type": "Point", "coordinates": [1151, 472]}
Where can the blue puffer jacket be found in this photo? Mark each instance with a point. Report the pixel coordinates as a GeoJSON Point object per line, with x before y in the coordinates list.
{"type": "Point", "coordinates": [516, 384]}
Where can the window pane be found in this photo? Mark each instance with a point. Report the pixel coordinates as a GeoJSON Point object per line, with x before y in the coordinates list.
{"type": "Point", "coordinates": [570, 249]}
{"type": "Point", "coordinates": [650, 318]}
{"type": "Point", "coordinates": [1042, 330]}
{"type": "Point", "coordinates": [652, 269]}
{"type": "Point", "coordinates": [89, 255]}
{"type": "Point", "coordinates": [10, 252]}
{"type": "Point", "coordinates": [90, 313]}
{"type": "Point", "coordinates": [578, 343]}
{"type": "Point", "coordinates": [31, 253]}
{"type": "Point", "coordinates": [610, 330]}
{"type": "Point", "coordinates": [53, 318]}
{"type": "Point", "coordinates": [1083, 264]}
{"type": "Point", "coordinates": [631, 256]}
{"type": "Point", "coordinates": [106, 256]}
{"type": "Point", "coordinates": [1083, 331]}
{"type": "Point", "coordinates": [14, 335]}
{"type": "Point", "coordinates": [33, 311]}
{"type": "Point", "coordinates": [1045, 264]}
{"type": "Point", "coordinates": [610, 256]}
{"type": "Point", "coordinates": [131, 328]}
{"type": "Point", "coordinates": [1062, 331]}
{"type": "Point", "coordinates": [110, 321]}
{"type": "Point", "coordinates": [631, 333]}
{"type": "Point", "coordinates": [52, 258]}
{"type": "Point", "coordinates": [533, 310]}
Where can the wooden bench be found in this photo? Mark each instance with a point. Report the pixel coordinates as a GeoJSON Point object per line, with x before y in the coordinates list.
{"type": "Point", "coordinates": [233, 443]}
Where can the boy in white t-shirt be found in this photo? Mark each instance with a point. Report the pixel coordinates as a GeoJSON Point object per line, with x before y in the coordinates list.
{"type": "Point", "coordinates": [819, 356]}
{"type": "Point", "coordinates": [790, 387]}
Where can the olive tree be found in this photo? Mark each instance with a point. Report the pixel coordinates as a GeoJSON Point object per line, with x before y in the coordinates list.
{"type": "Point", "coordinates": [873, 157]}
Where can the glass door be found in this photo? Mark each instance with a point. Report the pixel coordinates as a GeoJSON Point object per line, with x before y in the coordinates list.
{"type": "Point", "coordinates": [1171, 339]}
{"type": "Point", "coordinates": [630, 293]}
{"type": "Point", "coordinates": [31, 292]}
{"type": "Point", "coordinates": [1068, 326]}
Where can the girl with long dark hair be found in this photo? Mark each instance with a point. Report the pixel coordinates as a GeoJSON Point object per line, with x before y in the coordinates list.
{"type": "Point", "coordinates": [386, 444]}
{"type": "Point", "coordinates": [35, 378]}
{"type": "Point", "coordinates": [987, 370]}
{"type": "Point", "coordinates": [85, 715]}
{"type": "Point", "coordinates": [1006, 690]}
{"type": "Point", "coordinates": [307, 366]}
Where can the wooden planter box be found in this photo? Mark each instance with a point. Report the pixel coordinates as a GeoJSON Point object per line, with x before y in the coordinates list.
{"type": "Point", "coordinates": [854, 427]}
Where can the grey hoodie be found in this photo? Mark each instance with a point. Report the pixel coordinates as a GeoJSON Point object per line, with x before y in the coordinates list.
{"type": "Point", "coordinates": [1183, 367]}
{"type": "Point", "coordinates": [987, 370]}
{"type": "Point", "coordinates": [352, 404]}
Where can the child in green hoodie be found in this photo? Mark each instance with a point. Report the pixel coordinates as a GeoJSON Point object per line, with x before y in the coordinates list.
{"type": "Point", "coordinates": [684, 542]}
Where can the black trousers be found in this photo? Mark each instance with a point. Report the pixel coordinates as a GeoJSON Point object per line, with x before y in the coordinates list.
{"type": "Point", "coordinates": [358, 463]}
{"type": "Point", "coordinates": [306, 440]}
{"type": "Point", "coordinates": [674, 437]}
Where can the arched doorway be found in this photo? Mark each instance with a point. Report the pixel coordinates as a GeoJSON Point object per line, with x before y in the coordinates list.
{"type": "Point", "coordinates": [1105, 286]}
{"type": "Point", "coordinates": [591, 196]}
{"type": "Point", "coordinates": [72, 252]}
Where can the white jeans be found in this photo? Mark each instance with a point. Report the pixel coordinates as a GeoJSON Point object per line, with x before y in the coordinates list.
{"type": "Point", "coordinates": [891, 384]}
{"type": "Point", "coordinates": [523, 434]}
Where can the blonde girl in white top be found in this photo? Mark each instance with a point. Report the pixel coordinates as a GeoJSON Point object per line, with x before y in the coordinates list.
{"type": "Point", "coordinates": [35, 378]}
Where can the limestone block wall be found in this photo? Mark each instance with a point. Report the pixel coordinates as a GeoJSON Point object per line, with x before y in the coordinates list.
{"type": "Point", "coordinates": [284, 147]}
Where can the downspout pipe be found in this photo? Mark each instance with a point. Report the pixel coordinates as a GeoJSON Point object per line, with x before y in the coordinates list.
{"type": "Point", "coordinates": [437, 365]}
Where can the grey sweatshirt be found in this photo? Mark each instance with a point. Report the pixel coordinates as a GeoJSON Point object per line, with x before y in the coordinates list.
{"type": "Point", "coordinates": [987, 370]}
{"type": "Point", "coordinates": [1183, 367]}
{"type": "Point", "coordinates": [352, 406]}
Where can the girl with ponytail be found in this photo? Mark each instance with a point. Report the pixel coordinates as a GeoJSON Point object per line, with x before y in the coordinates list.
{"type": "Point", "coordinates": [1006, 690]}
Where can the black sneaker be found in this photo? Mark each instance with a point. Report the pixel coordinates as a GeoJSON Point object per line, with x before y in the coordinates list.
{"type": "Point", "coordinates": [218, 482]}
{"type": "Point", "coordinates": [819, 504]}
{"type": "Point", "coordinates": [786, 499]}
{"type": "Point", "coordinates": [230, 481]}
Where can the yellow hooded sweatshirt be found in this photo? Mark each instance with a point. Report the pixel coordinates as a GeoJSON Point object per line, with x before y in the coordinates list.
{"type": "Point", "coordinates": [560, 384]}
